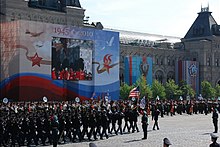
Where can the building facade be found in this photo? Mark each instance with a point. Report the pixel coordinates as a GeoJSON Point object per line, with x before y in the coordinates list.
{"type": "Point", "coordinates": [60, 60]}
{"type": "Point", "coordinates": [201, 43]}
{"type": "Point", "coordinates": [12, 10]}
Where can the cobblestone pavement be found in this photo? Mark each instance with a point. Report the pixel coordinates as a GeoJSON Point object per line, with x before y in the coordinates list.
{"type": "Point", "coordinates": [182, 131]}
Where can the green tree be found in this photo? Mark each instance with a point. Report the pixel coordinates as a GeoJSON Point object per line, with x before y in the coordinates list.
{"type": "Point", "coordinates": [217, 90]}
{"type": "Point", "coordinates": [172, 90]}
{"type": "Point", "coordinates": [207, 90]}
{"type": "Point", "coordinates": [186, 89]}
{"type": "Point", "coordinates": [145, 89]}
{"type": "Point", "coordinates": [125, 90]}
{"type": "Point", "coordinates": [158, 90]}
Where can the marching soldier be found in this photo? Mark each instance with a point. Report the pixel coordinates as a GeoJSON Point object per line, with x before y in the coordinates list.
{"type": "Point", "coordinates": [98, 124]}
{"type": "Point", "coordinates": [24, 130]}
{"type": "Point", "coordinates": [114, 119]}
{"type": "Point", "coordinates": [126, 119]}
{"type": "Point", "coordinates": [76, 124]}
{"type": "Point", "coordinates": [206, 109]}
{"type": "Point", "coordinates": [46, 130]}
{"type": "Point", "coordinates": [120, 117]}
{"type": "Point", "coordinates": [109, 115]}
{"type": "Point", "coordinates": [156, 115]}
{"type": "Point", "coordinates": [161, 108]}
{"type": "Point", "coordinates": [131, 120]}
{"type": "Point", "coordinates": [85, 122]}
{"type": "Point", "coordinates": [39, 124]}
{"type": "Point", "coordinates": [104, 123]}
{"type": "Point", "coordinates": [62, 125]}
{"type": "Point", "coordinates": [15, 132]}
{"type": "Point", "coordinates": [32, 131]}
{"type": "Point", "coordinates": [55, 125]}
{"type": "Point", "coordinates": [92, 124]}
{"type": "Point", "coordinates": [135, 117]}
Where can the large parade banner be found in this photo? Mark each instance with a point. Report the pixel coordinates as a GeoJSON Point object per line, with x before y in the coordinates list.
{"type": "Point", "coordinates": [188, 71]}
{"type": "Point", "coordinates": [137, 66]}
{"type": "Point", "coordinates": [57, 61]}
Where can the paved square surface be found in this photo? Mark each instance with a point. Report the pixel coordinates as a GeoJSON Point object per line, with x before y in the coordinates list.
{"type": "Point", "coordinates": [182, 130]}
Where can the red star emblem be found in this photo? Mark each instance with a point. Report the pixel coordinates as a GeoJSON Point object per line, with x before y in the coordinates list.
{"type": "Point", "coordinates": [36, 60]}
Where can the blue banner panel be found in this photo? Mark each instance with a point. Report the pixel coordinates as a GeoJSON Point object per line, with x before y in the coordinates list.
{"type": "Point", "coordinates": [135, 67]}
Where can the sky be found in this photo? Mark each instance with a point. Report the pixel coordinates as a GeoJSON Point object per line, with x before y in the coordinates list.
{"type": "Point", "coordinates": [162, 17]}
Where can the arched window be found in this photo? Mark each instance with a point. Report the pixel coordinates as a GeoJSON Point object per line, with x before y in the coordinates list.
{"type": "Point", "coordinates": [216, 62]}
{"type": "Point", "coordinates": [161, 61]}
{"type": "Point", "coordinates": [173, 62]}
{"type": "Point", "coordinates": [168, 61]}
{"type": "Point", "coordinates": [159, 76]}
{"type": "Point", "coordinates": [208, 61]}
{"type": "Point", "coordinates": [157, 61]}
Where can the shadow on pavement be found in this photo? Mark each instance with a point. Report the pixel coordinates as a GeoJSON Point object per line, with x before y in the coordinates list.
{"type": "Point", "coordinates": [134, 140]}
{"type": "Point", "coordinates": [206, 133]}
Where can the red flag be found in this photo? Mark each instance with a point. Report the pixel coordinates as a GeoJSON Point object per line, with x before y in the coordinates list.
{"type": "Point", "coordinates": [134, 92]}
